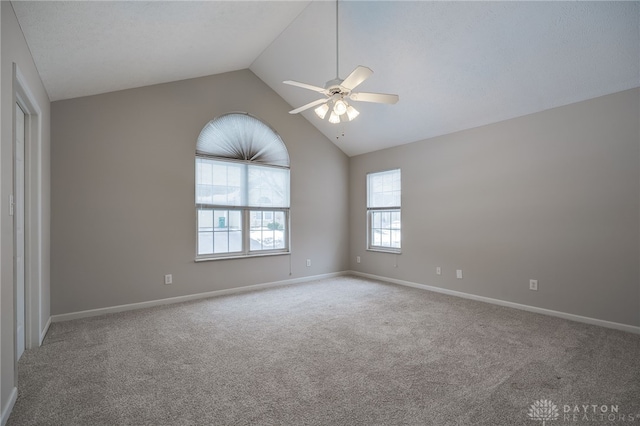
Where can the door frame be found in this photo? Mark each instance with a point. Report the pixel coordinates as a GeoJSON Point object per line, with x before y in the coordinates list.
{"type": "Point", "coordinates": [33, 216]}
{"type": "Point", "coordinates": [19, 238]}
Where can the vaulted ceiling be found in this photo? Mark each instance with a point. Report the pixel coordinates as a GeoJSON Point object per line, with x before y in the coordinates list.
{"type": "Point", "coordinates": [455, 65]}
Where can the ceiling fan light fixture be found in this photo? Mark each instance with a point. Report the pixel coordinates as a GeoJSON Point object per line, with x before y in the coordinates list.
{"type": "Point", "coordinates": [338, 89]}
{"type": "Point", "coordinates": [340, 107]}
{"type": "Point", "coordinates": [322, 110]}
{"type": "Point", "coordinates": [352, 113]}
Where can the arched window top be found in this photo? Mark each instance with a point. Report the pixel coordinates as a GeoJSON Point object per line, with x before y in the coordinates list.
{"type": "Point", "coordinates": [241, 136]}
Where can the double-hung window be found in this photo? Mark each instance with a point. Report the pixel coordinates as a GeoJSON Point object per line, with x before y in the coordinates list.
{"type": "Point", "coordinates": [242, 204]}
{"type": "Point", "coordinates": [383, 211]}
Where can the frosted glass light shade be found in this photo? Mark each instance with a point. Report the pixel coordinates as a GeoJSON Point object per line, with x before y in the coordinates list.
{"type": "Point", "coordinates": [352, 113]}
{"type": "Point", "coordinates": [340, 107]}
{"type": "Point", "coordinates": [334, 118]}
{"type": "Point", "coordinates": [322, 110]}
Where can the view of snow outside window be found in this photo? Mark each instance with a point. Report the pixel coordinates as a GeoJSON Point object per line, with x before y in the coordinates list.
{"type": "Point", "coordinates": [234, 198]}
{"type": "Point", "coordinates": [383, 209]}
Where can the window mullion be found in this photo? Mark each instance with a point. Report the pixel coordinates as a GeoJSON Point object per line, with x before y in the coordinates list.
{"type": "Point", "coordinates": [246, 232]}
{"type": "Point", "coordinates": [228, 226]}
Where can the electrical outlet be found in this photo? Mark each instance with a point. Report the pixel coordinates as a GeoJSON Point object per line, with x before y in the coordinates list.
{"type": "Point", "coordinates": [533, 285]}
{"type": "Point", "coordinates": [168, 279]}
{"type": "Point", "coordinates": [459, 274]}
{"type": "Point", "coordinates": [357, 259]}
{"type": "Point", "coordinates": [308, 262]}
{"type": "Point", "coordinates": [438, 270]}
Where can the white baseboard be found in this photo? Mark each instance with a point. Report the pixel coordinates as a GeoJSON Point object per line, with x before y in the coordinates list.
{"type": "Point", "coordinates": [186, 298]}
{"type": "Point", "coordinates": [178, 299]}
{"type": "Point", "coordinates": [8, 407]}
{"type": "Point", "coordinates": [564, 315]}
{"type": "Point", "coordinates": [44, 331]}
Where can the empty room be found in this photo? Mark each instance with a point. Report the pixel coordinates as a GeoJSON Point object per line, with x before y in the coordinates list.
{"type": "Point", "coordinates": [319, 212]}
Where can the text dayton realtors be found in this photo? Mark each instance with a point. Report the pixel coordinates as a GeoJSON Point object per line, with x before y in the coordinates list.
{"type": "Point", "coordinates": [596, 413]}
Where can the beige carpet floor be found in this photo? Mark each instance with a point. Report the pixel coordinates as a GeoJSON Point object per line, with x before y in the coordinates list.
{"type": "Point", "coordinates": [343, 351]}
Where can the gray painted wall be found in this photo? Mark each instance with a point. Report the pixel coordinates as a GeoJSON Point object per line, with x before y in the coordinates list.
{"type": "Point", "coordinates": [552, 196]}
{"type": "Point", "coordinates": [123, 210]}
{"type": "Point", "coordinates": [14, 50]}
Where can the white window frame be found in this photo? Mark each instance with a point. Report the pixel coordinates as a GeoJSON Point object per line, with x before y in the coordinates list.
{"type": "Point", "coordinates": [246, 250]}
{"type": "Point", "coordinates": [239, 137]}
{"type": "Point", "coordinates": [245, 210]}
{"type": "Point", "coordinates": [393, 209]}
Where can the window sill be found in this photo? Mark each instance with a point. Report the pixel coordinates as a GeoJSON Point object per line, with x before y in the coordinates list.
{"type": "Point", "coordinates": [241, 256]}
{"type": "Point", "coordinates": [385, 250]}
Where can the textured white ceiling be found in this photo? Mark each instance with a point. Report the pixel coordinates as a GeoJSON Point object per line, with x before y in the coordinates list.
{"type": "Point", "coordinates": [89, 47]}
{"type": "Point", "coordinates": [455, 65]}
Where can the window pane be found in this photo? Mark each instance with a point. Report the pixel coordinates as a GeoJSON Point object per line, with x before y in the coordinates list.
{"type": "Point", "coordinates": [384, 189]}
{"type": "Point", "coordinates": [385, 219]}
{"type": "Point", "coordinates": [279, 231]}
{"type": "Point", "coordinates": [395, 239]}
{"type": "Point", "coordinates": [221, 242]}
{"type": "Point", "coordinates": [268, 186]}
{"type": "Point", "coordinates": [205, 220]}
{"type": "Point", "coordinates": [395, 220]}
{"type": "Point", "coordinates": [204, 194]}
{"type": "Point", "coordinates": [227, 183]}
{"type": "Point", "coordinates": [255, 232]}
{"type": "Point", "coordinates": [376, 219]}
{"type": "Point", "coordinates": [235, 230]}
{"type": "Point", "coordinates": [205, 231]}
{"type": "Point", "coordinates": [385, 238]}
{"type": "Point", "coordinates": [205, 242]}
{"type": "Point", "coordinates": [219, 182]}
{"type": "Point", "coordinates": [219, 231]}
{"type": "Point", "coordinates": [204, 182]}
{"type": "Point", "coordinates": [268, 230]}
{"type": "Point", "coordinates": [205, 171]}
{"type": "Point", "coordinates": [387, 184]}
{"type": "Point", "coordinates": [220, 222]}
{"type": "Point", "coordinates": [385, 229]}
{"type": "Point", "coordinates": [225, 191]}
{"type": "Point", "coordinates": [235, 220]}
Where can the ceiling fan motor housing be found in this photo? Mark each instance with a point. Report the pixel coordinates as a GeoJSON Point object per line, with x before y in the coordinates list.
{"type": "Point", "coordinates": [334, 87]}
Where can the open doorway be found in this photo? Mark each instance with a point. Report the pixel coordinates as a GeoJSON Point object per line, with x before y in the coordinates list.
{"type": "Point", "coordinates": [27, 210]}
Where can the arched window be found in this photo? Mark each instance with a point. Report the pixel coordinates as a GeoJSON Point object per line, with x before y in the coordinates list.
{"type": "Point", "coordinates": [242, 189]}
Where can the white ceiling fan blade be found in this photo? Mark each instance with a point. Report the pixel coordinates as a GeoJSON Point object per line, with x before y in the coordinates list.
{"type": "Point", "coordinates": [309, 105]}
{"type": "Point", "coordinates": [381, 98]}
{"type": "Point", "coordinates": [305, 86]}
{"type": "Point", "coordinates": [356, 77]}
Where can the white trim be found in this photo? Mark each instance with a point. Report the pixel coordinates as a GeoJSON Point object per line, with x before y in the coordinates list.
{"type": "Point", "coordinates": [179, 299]}
{"type": "Point", "coordinates": [6, 410]}
{"type": "Point", "coordinates": [33, 207]}
{"type": "Point", "coordinates": [240, 256]}
{"type": "Point", "coordinates": [44, 331]}
{"type": "Point", "coordinates": [564, 315]}
{"type": "Point", "coordinates": [188, 297]}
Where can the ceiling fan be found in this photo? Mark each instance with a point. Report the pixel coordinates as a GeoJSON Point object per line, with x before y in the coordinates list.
{"type": "Point", "coordinates": [338, 91]}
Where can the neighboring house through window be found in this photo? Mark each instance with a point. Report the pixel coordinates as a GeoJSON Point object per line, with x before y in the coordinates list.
{"type": "Point", "coordinates": [242, 189]}
{"type": "Point", "coordinates": [383, 211]}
